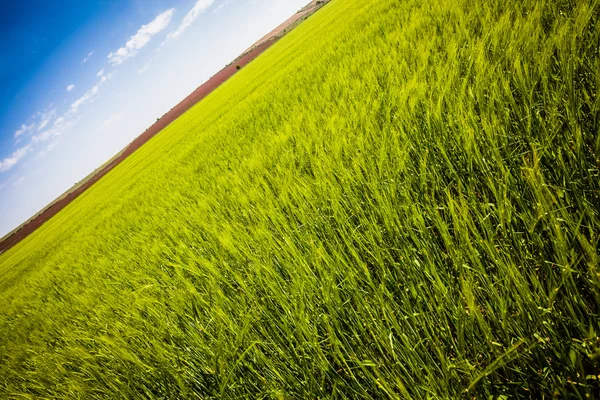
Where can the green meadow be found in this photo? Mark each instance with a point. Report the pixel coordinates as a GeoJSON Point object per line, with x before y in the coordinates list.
{"type": "Point", "coordinates": [400, 199]}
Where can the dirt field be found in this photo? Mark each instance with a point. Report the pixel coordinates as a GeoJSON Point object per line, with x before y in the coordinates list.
{"type": "Point", "coordinates": [197, 95]}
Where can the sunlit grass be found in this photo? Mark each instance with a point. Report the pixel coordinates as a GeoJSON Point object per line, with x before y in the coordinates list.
{"type": "Point", "coordinates": [399, 199]}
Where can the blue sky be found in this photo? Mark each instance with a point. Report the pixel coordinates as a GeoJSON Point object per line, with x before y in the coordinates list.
{"type": "Point", "coordinates": [79, 80]}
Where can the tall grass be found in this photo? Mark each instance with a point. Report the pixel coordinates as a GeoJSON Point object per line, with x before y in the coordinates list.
{"type": "Point", "coordinates": [400, 199]}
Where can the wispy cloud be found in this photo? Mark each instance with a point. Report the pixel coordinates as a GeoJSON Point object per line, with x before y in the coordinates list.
{"type": "Point", "coordinates": [111, 120]}
{"type": "Point", "coordinates": [45, 118]}
{"type": "Point", "coordinates": [84, 99]}
{"type": "Point", "coordinates": [60, 128]}
{"type": "Point", "coordinates": [47, 150]}
{"type": "Point", "coordinates": [64, 124]}
{"type": "Point", "coordinates": [24, 129]}
{"type": "Point", "coordinates": [70, 87]}
{"type": "Point", "coordinates": [141, 38]}
{"type": "Point", "coordinates": [200, 7]}
{"type": "Point", "coordinates": [216, 10]}
{"type": "Point", "coordinates": [18, 181]}
{"type": "Point", "coordinates": [13, 160]}
{"type": "Point", "coordinates": [89, 95]}
{"type": "Point", "coordinates": [87, 58]}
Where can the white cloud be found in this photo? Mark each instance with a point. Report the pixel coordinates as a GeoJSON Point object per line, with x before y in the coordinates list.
{"type": "Point", "coordinates": [89, 94]}
{"type": "Point", "coordinates": [70, 87]}
{"type": "Point", "coordinates": [104, 78]}
{"type": "Point", "coordinates": [84, 99]}
{"type": "Point", "coordinates": [60, 127]}
{"type": "Point", "coordinates": [45, 118]}
{"type": "Point", "coordinates": [87, 58]}
{"type": "Point", "coordinates": [42, 137]}
{"type": "Point", "coordinates": [24, 129]}
{"type": "Point", "coordinates": [18, 181]}
{"type": "Point", "coordinates": [216, 10]}
{"type": "Point", "coordinates": [111, 120]}
{"type": "Point", "coordinates": [63, 124]}
{"type": "Point", "coordinates": [141, 38]}
{"type": "Point", "coordinates": [47, 150]}
{"type": "Point", "coordinates": [200, 7]}
{"type": "Point", "coordinates": [11, 161]}
{"type": "Point", "coordinates": [143, 69]}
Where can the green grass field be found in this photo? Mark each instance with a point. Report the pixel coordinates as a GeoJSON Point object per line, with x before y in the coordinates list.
{"type": "Point", "coordinates": [400, 199]}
